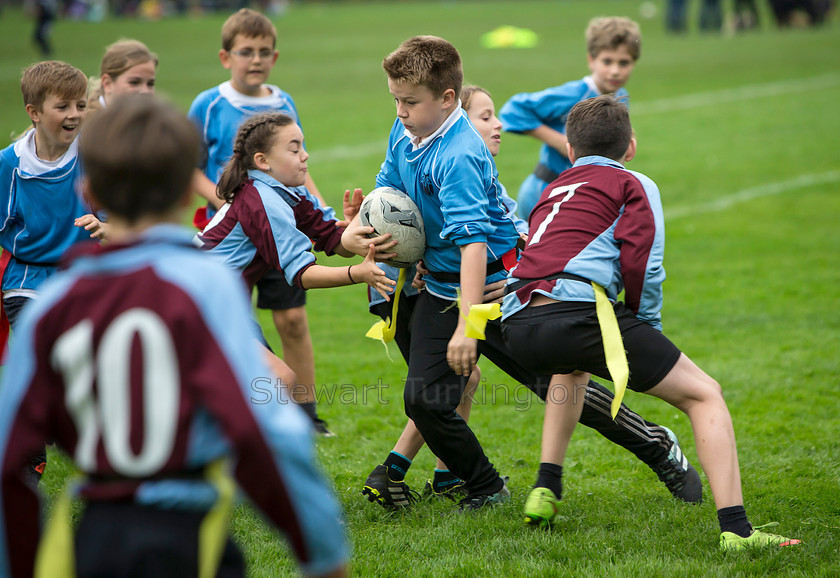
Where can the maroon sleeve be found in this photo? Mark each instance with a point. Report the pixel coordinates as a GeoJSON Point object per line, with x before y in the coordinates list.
{"type": "Point", "coordinates": [324, 233]}
{"type": "Point", "coordinates": [635, 230]}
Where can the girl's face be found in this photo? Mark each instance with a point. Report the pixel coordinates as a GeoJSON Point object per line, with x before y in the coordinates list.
{"type": "Point", "coordinates": [139, 79]}
{"type": "Point", "coordinates": [482, 113]}
{"type": "Point", "coordinates": [286, 160]}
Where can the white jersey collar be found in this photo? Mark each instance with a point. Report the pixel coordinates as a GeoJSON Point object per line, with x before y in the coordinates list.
{"type": "Point", "coordinates": [238, 99]}
{"type": "Point", "coordinates": [417, 143]}
{"type": "Point", "coordinates": [32, 165]}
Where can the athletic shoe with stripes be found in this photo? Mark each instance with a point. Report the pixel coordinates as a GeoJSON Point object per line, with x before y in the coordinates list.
{"type": "Point", "coordinates": [679, 476]}
{"type": "Point", "coordinates": [731, 542]}
{"type": "Point", "coordinates": [454, 492]}
{"type": "Point", "coordinates": [386, 492]}
{"type": "Point", "coordinates": [541, 508]}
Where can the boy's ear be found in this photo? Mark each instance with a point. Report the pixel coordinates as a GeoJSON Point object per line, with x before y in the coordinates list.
{"type": "Point", "coordinates": [570, 152]}
{"type": "Point", "coordinates": [33, 112]}
{"type": "Point", "coordinates": [448, 97]}
{"type": "Point", "coordinates": [87, 192]}
{"type": "Point", "coordinates": [631, 151]}
{"type": "Point", "coordinates": [224, 57]}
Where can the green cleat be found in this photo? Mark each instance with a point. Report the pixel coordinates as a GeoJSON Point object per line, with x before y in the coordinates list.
{"type": "Point", "coordinates": [541, 508]}
{"type": "Point", "coordinates": [730, 542]}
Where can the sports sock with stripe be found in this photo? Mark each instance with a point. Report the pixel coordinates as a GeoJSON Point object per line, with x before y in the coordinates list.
{"type": "Point", "coordinates": [397, 465]}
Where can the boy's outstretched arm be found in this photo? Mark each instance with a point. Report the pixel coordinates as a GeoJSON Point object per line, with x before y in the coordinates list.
{"type": "Point", "coordinates": [462, 352]}
{"type": "Point", "coordinates": [553, 138]}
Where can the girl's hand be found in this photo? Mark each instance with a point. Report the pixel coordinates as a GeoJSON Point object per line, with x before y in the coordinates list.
{"type": "Point", "coordinates": [351, 204]}
{"type": "Point", "coordinates": [368, 272]}
{"type": "Point", "coordinates": [355, 239]}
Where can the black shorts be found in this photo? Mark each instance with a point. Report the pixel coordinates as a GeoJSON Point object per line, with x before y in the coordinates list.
{"type": "Point", "coordinates": [402, 335]}
{"type": "Point", "coordinates": [275, 293]}
{"type": "Point", "coordinates": [126, 539]}
{"type": "Point", "coordinates": [565, 337]}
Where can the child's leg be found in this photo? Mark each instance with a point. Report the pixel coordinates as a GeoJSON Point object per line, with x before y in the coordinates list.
{"type": "Point", "coordinates": [690, 389]}
{"type": "Point", "coordinates": [563, 406]}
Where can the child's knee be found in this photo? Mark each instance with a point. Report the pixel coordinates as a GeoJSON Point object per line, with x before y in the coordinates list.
{"type": "Point", "coordinates": [291, 323]}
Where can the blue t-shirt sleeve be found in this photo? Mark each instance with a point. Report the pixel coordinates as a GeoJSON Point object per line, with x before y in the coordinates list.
{"type": "Point", "coordinates": [529, 110]}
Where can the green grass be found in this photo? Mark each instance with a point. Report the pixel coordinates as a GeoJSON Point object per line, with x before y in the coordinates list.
{"type": "Point", "coordinates": [739, 132]}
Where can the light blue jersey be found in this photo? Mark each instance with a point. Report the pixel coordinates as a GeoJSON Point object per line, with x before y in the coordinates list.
{"type": "Point", "coordinates": [218, 113]}
{"type": "Point", "coordinates": [452, 178]}
{"type": "Point", "coordinates": [528, 111]}
{"type": "Point", "coordinates": [39, 201]}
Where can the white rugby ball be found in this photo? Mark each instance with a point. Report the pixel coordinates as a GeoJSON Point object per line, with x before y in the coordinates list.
{"type": "Point", "coordinates": [388, 210]}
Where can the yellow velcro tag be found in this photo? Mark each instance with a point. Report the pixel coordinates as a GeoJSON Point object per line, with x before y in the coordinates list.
{"type": "Point", "coordinates": [613, 346]}
{"type": "Point", "coordinates": [384, 331]}
{"type": "Point", "coordinates": [478, 316]}
{"type": "Point", "coordinates": [56, 555]}
{"type": "Point", "coordinates": [213, 532]}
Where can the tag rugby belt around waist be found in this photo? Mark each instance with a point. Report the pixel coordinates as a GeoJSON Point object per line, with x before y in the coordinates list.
{"type": "Point", "coordinates": [544, 173]}
{"type": "Point", "coordinates": [520, 283]}
{"type": "Point", "coordinates": [448, 277]}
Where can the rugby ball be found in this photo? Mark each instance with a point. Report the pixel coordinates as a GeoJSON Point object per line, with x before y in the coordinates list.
{"type": "Point", "coordinates": [388, 210]}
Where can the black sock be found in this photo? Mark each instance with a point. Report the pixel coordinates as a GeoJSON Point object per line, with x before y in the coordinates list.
{"type": "Point", "coordinates": [444, 479]}
{"type": "Point", "coordinates": [734, 519]}
{"type": "Point", "coordinates": [550, 476]}
{"type": "Point", "coordinates": [397, 465]}
{"type": "Point", "coordinates": [310, 409]}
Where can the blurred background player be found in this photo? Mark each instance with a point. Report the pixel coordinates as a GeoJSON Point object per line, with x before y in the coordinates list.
{"type": "Point", "coordinates": [130, 365]}
{"type": "Point", "coordinates": [613, 46]}
{"type": "Point", "coordinates": [248, 52]}
{"type": "Point", "coordinates": [127, 67]}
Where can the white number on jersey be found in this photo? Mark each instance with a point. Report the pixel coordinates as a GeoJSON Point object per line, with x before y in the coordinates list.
{"type": "Point", "coordinates": [107, 414]}
{"type": "Point", "coordinates": [570, 192]}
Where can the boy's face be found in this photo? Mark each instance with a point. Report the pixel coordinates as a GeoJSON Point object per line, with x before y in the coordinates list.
{"type": "Point", "coordinates": [286, 160]}
{"type": "Point", "coordinates": [57, 122]}
{"type": "Point", "coordinates": [140, 79]}
{"type": "Point", "coordinates": [482, 114]}
{"type": "Point", "coordinates": [249, 60]}
{"type": "Point", "coordinates": [611, 69]}
{"type": "Point", "coordinates": [419, 110]}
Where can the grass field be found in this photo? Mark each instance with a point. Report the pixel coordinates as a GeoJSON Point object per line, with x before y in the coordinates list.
{"type": "Point", "coordinates": [740, 133]}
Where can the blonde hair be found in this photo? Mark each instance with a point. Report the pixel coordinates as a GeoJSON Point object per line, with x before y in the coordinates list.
{"type": "Point", "coordinates": [429, 61]}
{"type": "Point", "coordinates": [52, 77]}
{"type": "Point", "coordinates": [118, 58]}
{"type": "Point", "coordinates": [467, 93]}
{"type": "Point", "coordinates": [608, 33]}
{"type": "Point", "coordinates": [250, 24]}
